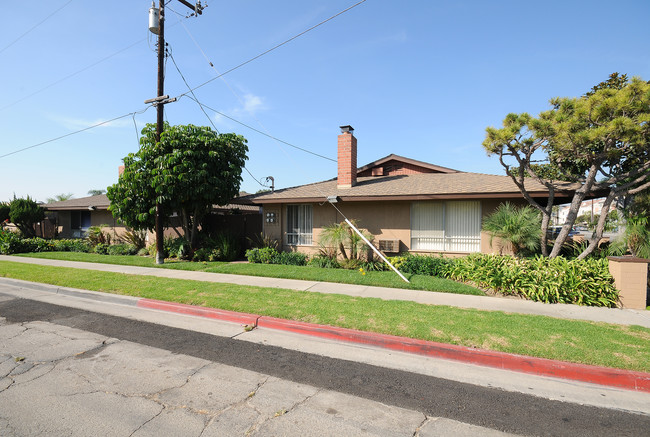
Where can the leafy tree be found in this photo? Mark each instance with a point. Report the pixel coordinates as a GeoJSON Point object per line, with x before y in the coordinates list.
{"type": "Point", "coordinates": [519, 227]}
{"type": "Point", "coordinates": [59, 198]}
{"type": "Point", "coordinates": [96, 192]}
{"type": "Point", "coordinates": [25, 213]}
{"type": "Point", "coordinates": [599, 140]}
{"type": "Point", "coordinates": [191, 169]}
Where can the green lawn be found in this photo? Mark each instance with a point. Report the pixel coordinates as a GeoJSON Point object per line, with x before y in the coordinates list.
{"type": "Point", "coordinates": [569, 340]}
{"type": "Point", "coordinates": [380, 279]}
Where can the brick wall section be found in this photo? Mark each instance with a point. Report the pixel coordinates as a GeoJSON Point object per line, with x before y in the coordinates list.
{"type": "Point", "coordinates": [394, 168]}
{"type": "Point", "coordinates": [347, 160]}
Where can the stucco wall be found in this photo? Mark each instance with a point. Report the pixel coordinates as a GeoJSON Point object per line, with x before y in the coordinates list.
{"type": "Point", "coordinates": [97, 218]}
{"type": "Point", "coordinates": [384, 220]}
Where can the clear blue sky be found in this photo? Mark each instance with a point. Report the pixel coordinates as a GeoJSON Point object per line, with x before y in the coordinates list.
{"type": "Point", "coordinates": [422, 79]}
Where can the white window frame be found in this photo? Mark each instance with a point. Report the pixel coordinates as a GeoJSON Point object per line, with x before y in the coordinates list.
{"type": "Point", "coordinates": [435, 226]}
{"type": "Point", "coordinates": [300, 233]}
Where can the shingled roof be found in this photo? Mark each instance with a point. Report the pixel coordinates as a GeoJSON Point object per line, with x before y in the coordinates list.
{"type": "Point", "coordinates": [460, 185]}
{"type": "Point", "coordinates": [99, 202]}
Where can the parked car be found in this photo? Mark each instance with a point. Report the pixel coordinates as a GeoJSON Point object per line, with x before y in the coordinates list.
{"type": "Point", "coordinates": [554, 231]}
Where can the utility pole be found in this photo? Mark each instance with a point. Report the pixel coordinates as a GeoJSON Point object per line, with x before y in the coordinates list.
{"type": "Point", "coordinates": [160, 251]}
{"type": "Point", "coordinates": [159, 102]}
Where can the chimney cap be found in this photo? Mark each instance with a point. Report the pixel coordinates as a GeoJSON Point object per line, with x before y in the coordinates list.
{"type": "Point", "coordinates": [347, 128]}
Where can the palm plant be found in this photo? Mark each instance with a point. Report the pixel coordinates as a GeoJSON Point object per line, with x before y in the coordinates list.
{"type": "Point", "coordinates": [342, 236]}
{"type": "Point", "coordinates": [518, 227]}
{"type": "Point", "coordinates": [636, 238]}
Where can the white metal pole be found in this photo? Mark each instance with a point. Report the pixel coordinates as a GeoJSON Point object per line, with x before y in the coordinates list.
{"type": "Point", "coordinates": [381, 255]}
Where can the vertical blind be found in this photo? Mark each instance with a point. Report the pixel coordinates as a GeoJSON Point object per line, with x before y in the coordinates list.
{"type": "Point", "coordinates": [453, 226]}
{"type": "Point", "coordinates": [299, 224]}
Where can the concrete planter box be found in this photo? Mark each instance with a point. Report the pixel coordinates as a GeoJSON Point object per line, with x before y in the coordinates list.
{"type": "Point", "coordinates": [631, 279]}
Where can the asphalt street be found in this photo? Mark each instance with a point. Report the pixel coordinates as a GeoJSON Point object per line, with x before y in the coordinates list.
{"type": "Point", "coordinates": [104, 360]}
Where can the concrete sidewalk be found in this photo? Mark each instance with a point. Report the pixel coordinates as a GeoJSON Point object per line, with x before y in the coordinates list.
{"type": "Point", "coordinates": [511, 305]}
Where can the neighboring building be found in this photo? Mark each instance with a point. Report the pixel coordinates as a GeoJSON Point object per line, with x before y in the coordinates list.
{"type": "Point", "coordinates": [74, 216]}
{"type": "Point", "coordinates": [407, 205]}
{"type": "Point", "coordinates": [592, 207]}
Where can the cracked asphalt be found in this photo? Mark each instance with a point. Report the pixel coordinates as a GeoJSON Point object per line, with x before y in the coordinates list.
{"type": "Point", "coordinates": [101, 369]}
{"type": "Point", "coordinates": [58, 380]}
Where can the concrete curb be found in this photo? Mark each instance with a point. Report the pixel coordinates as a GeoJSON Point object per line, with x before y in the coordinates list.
{"type": "Point", "coordinates": [625, 379]}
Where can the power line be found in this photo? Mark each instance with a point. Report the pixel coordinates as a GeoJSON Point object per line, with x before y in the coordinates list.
{"type": "Point", "coordinates": [75, 73]}
{"type": "Point", "coordinates": [206, 114]}
{"type": "Point", "coordinates": [71, 75]}
{"type": "Point", "coordinates": [196, 99]}
{"type": "Point", "coordinates": [275, 47]}
{"type": "Point", "coordinates": [263, 133]}
{"type": "Point", "coordinates": [73, 133]}
{"type": "Point", "coordinates": [34, 27]}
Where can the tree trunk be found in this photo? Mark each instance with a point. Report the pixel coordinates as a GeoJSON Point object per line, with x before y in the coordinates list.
{"type": "Point", "coordinates": [342, 249]}
{"type": "Point", "coordinates": [195, 227]}
{"type": "Point", "coordinates": [578, 197]}
{"type": "Point", "coordinates": [185, 224]}
{"type": "Point", "coordinates": [598, 232]}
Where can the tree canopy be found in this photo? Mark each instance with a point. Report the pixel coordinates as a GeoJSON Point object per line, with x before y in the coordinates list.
{"type": "Point", "coordinates": [191, 169]}
{"type": "Point", "coordinates": [25, 213]}
{"type": "Point", "coordinates": [59, 198]}
{"type": "Point", "coordinates": [599, 140]}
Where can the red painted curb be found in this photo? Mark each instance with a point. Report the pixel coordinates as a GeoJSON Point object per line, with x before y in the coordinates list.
{"type": "Point", "coordinates": [193, 310]}
{"type": "Point", "coordinates": [626, 379]}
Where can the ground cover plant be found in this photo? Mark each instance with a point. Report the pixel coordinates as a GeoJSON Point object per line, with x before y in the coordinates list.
{"type": "Point", "coordinates": [626, 347]}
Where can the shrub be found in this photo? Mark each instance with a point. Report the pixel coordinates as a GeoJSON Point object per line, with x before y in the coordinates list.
{"type": "Point", "coordinates": [37, 244]}
{"type": "Point", "coordinates": [96, 235]}
{"type": "Point", "coordinates": [101, 248]}
{"type": "Point", "coordinates": [260, 240]}
{"type": "Point", "coordinates": [4, 213]}
{"type": "Point", "coordinates": [264, 255]}
{"type": "Point", "coordinates": [71, 245]}
{"type": "Point", "coordinates": [518, 227]}
{"type": "Point", "coordinates": [324, 261]}
{"type": "Point", "coordinates": [122, 249]}
{"type": "Point", "coordinates": [550, 280]}
{"type": "Point", "coordinates": [25, 213]}
{"type": "Point", "coordinates": [376, 266]}
{"type": "Point", "coordinates": [136, 238]}
{"type": "Point", "coordinates": [291, 259]}
{"type": "Point", "coordinates": [425, 265]}
{"type": "Point", "coordinates": [12, 242]}
{"type": "Point", "coordinates": [207, 254]}
{"type": "Point", "coordinates": [226, 246]}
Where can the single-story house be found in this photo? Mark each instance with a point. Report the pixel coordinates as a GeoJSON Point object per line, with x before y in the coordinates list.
{"type": "Point", "coordinates": [407, 205]}
{"type": "Point", "coordinates": [73, 217]}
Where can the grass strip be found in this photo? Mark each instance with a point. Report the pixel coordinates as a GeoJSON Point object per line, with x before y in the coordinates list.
{"type": "Point", "coordinates": [342, 276]}
{"type": "Point", "coordinates": [625, 347]}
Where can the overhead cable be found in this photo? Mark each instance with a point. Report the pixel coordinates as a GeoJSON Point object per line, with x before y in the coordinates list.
{"type": "Point", "coordinates": [34, 27]}
{"type": "Point", "coordinates": [277, 46]}
{"type": "Point", "coordinates": [130, 114]}
{"type": "Point", "coordinates": [265, 134]}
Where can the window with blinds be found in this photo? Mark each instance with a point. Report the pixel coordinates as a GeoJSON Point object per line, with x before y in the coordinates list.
{"type": "Point", "coordinates": [453, 226]}
{"type": "Point", "coordinates": [299, 224]}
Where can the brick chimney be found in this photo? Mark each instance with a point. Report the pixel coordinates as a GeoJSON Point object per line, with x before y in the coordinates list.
{"type": "Point", "coordinates": [347, 158]}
